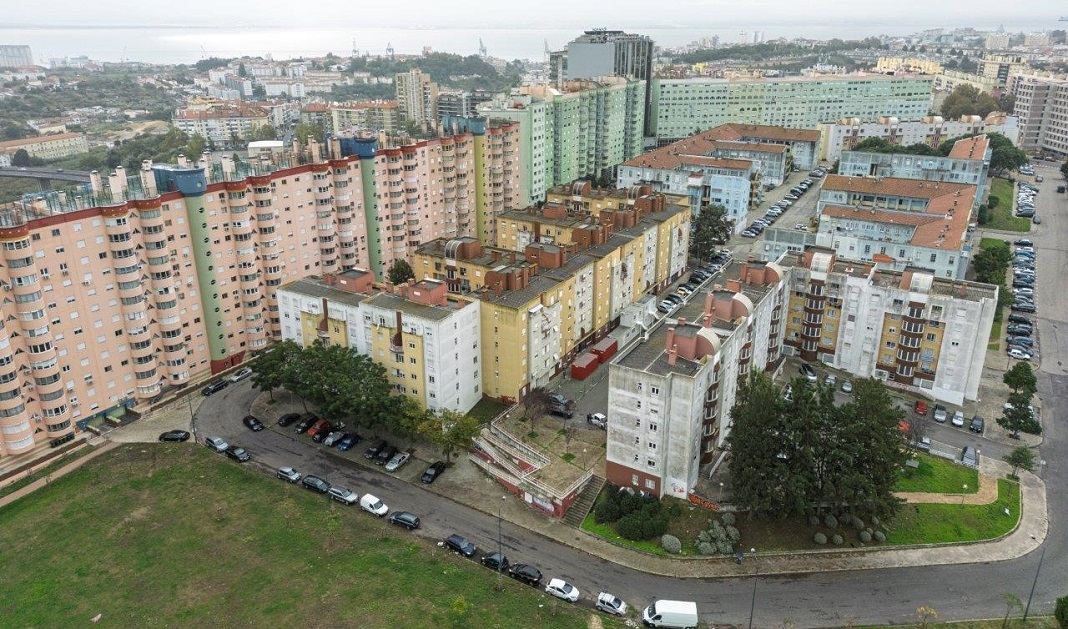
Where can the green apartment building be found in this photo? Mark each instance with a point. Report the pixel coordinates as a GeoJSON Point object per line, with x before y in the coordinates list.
{"type": "Point", "coordinates": [577, 130]}
{"type": "Point", "coordinates": [680, 108]}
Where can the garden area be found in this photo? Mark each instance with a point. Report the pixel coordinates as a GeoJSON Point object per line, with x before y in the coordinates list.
{"type": "Point", "coordinates": [938, 475]}
{"type": "Point", "coordinates": [998, 214]}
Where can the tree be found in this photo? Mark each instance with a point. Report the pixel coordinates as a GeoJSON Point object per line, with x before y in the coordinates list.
{"type": "Point", "coordinates": [196, 147]}
{"type": "Point", "coordinates": [1017, 416]}
{"type": "Point", "coordinates": [307, 130]}
{"type": "Point", "coordinates": [1061, 612]}
{"type": "Point", "coordinates": [21, 158]}
{"type": "Point", "coordinates": [536, 403]}
{"type": "Point", "coordinates": [450, 430]}
{"type": "Point", "coordinates": [1064, 170]}
{"type": "Point", "coordinates": [400, 272]}
{"type": "Point", "coordinates": [241, 71]}
{"type": "Point", "coordinates": [915, 429]}
{"type": "Point", "coordinates": [1021, 378]}
{"type": "Point", "coordinates": [263, 132]}
{"type": "Point", "coordinates": [269, 367]}
{"type": "Point", "coordinates": [1011, 602]}
{"type": "Point", "coordinates": [1021, 458]}
{"type": "Point", "coordinates": [710, 227]}
{"type": "Point", "coordinates": [990, 264]}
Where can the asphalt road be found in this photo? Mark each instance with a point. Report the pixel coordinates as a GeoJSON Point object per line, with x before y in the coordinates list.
{"type": "Point", "coordinates": [887, 596]}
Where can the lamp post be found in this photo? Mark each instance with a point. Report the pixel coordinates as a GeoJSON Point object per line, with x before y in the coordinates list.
{"type": "Point", "coordinates": [500, 552]}
{"type": "Point", "coordinates": [963, 495]}
{"type": "Point", "coordinates": [192, 416]}
{"type": "Point", "coordinates": [752, 602]}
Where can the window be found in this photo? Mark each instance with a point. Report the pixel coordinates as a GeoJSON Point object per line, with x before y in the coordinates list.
{"type": "Point", "coordinates": [650, 483]}
{"type": "Point", "coordinates": [654, 390]}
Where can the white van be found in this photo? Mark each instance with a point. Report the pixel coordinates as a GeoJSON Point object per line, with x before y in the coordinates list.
{"type": "Point", "coordinates": [674, 614]}
{"type": "Point", "coordinates": [373, 505]}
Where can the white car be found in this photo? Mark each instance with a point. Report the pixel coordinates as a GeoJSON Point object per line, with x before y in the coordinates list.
{"type": "Point", "coordinates": [611, 604]}
{"type": "Point", "coordinates": [958, 419]}
{"type": "Point", "coordinates": [1019, 354]}
{"type": "Point", "coordinates": [562, 589]}
{"type": "Point", "coordinates": [333, 438]}
{"type": "Point", "coordinates": [241, 374]}
{"type": "Point", "coordinates": [373, 505]}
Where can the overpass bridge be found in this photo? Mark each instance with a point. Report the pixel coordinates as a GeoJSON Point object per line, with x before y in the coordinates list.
{"type": "Point", "coordinates": [45, 176]}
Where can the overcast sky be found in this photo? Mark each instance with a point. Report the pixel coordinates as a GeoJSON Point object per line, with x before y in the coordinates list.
{"type": "Point", "coordinates": [633, 14]}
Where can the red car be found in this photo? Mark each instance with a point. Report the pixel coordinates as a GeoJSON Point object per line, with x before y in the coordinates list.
{"type": "Point", "coordinates": [920, 408]}
{"type": "Point", "coordinates": [319, 426]}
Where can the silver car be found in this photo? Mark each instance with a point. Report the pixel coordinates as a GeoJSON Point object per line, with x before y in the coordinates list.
{"type": "Point", "coordinates": [398, 460]}
{"type": "Point", "coordinates": [343, 495]}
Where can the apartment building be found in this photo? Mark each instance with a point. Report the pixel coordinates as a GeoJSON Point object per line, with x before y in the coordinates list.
{"type": "Point", "coordinates": [1042, 107]}
{"type": "Point", "coordinates": [224, 124]}
{"type": "Point", "coordinates": [417, 98]}
{"type": "Point", "coordinates": [461, 104]}
{"type": "Point", "coordinates": [146, 283]}
{"type": "Point", "coordinates": [428, 340]}
{"type": "Point", "coordinates": [917, 331]}
{"type": "Point", "coordinates": [845, 134]}
{"type": "Point", "coordinates": [968, 162]}
{"type": "Point", "coordinates": [47, 147]}
{"type": "Point", "coordinates": [545, 303]}
{"type": "Point", "coordinates": [669, 398]}
{"type": "Point", "coordinates": [909, 65]}
{"type": "Point", "coordinates": [999, 67]}
{"type": "Point", "coordinates": [13, 56]}
{"type": "Point", "coordinates": [376, 115]}
{"type": "Point", "coordinates": [581, 129]}
{"type": "Point", "coordinates": [681, 107]}
{"type": "Point", "coordinates": [897, 223]}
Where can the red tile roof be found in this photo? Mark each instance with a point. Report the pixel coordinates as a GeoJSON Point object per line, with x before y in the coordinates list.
{"type": "Point", "coordinates": [970, 148]}
{"type": "Point", "coordinates": [727, 136]}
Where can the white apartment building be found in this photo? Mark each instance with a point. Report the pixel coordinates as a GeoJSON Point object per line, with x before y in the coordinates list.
{"type": "Point", "coordinates": [1042, 107]}
{"type": "Point", "coordinates": [428, 341]}
{"type": "Point", "coordinates": [968, 163]}
{"type": "Point", "coordinates": [845, 134]}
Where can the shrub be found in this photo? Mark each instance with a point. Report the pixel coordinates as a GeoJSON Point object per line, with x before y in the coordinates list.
{"type": "Point", "coordinates": [630, 527]}
{"type": "Point", "coordinates": [676, 510]}
{"type": "Point", "coordinates": [814, 520]}
{"type": "Point", "coordinates": [830, 521]}
{"type": "Point", "coordinates": [820, 539]}
{"type": "Point", "coordinates": [865, 536]}
{"type": "Point", "coordinates": [984, 215]}
{"type": "Point", "coordinates": [869, 531]}
{"type": "Point", "coordinates": [703, 537]}
{"type": "Point", "coordinates": [879, 536]}
{"type": "Point", "coordinates": [725, 548]}
{"type": "Point", "coordinates": [728, 519]}
{"type": "Point", "coordinates": [716, 532]}
{"type": "Point", "coordinates": [654, 526]}
{"type": "Point", "coordinates": [607, 511]}
{"type": "Point", "coordinates": [859, 524]}
{"type": "Point", "coordinates": [875, 520]}
{"type": "Point", "coordinates": [845, 519]}
{"type": "Point", "coordinates": [671, 544]}
{"type": "Point", "coordinates": [705, 548]}
{"type": "Point", "coordinates": [733, 534]}
{"type": "Point", "coordinates": [837, 539]}
{"type": "Point", "coordinates": [993, 201]}
{"type": "Point", "coordinates": [1060, 612]}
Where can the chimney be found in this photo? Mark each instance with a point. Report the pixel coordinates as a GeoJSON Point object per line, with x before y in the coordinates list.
{"type": "Point", "coordinates": [673, 354]}
{"type": "Point", "coordinates": [329, 279]}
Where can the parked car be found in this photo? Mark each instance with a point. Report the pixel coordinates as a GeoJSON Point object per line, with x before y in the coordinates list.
{"type": "Point", "coordinates": [1019, 353]}
{"type": "Point", "coordinates": [562, 589]}
{"type": "Point", "coordinates": [348, 441]}
{"type": "Point", "coordinates": [526, 573]}
{"type": "Point", "coordinates": [666, 306]}
{"type": "Point", "coordinates": [830, 379]}
{"type": "Point", "coordinates": [920, 408]}
{"type": "Point", "coordinates": [306, 422]}
{"type": "Point", "coordinates": [969, 456]}
{"type": "Point", "coordinates": [598, 420]}
{"type": "Point", "coordinates": [252, 423]}
{"type": "Point", "coordinates": [431, 474]}
{"type": "Point", "coordinates": [459, 544]}
{"type": "Point", "coordinates": [940, 414]}
{"type": "Point", "coordinates": [495, 561]}
{"type": "Point", "coordinates": [342, 495]}
{"type": "Point", "coordinates": [1015, 318]}
{"type": "Point", "coordinates": [808, 372]}
{"type": "Point", "coordinates": [560, 398]}
{"type": "Point", "coordinates": [1020, 330]}
{"type": "Point", "coordinates": [315, 483]}
{"type": "Point", "coordinates": [216, 443]}
{"type": "Point", "coordinates": [174, 435]}
{"type": "Point", "coordinates": [561, 411]}
{"type": "Point", "coordinates": [847, 386]}
{"type": "Point", "coordinates": [409, 521]}
{"type": "Point", "coordinates": [288, 419]}
{"type": "Point", "coordinates": [332, 438]}
{"type": "Point", "coordinates": [288, 474]}
{"type": "Point", "coordinates": [675, 299]}
{"type": "Point", "coordinates": [214, 387]}
{"type": "Point", "coordinates": [977, 424]}
{"type": "Point", "coordinates": [397, 460]}
{"type": "Point", "coordinates": [372, 450]}
{"type": "Point", "coordinates": [241, 374]}
{"type": "Point", "coordinates": [1023, 307]}
{"type": "Point", "coordinates": [1024, 242]}
{"type": "Point", "coordinates": [1026, 341]}
{"type": "Point", "coordinates": [611, 604]}
{"type": "Point", "coordinates": [240, 455]}
{"type": "Point", "coordinates": [958, 419]}
{"type": "Point", "coordinates": [319, 430]}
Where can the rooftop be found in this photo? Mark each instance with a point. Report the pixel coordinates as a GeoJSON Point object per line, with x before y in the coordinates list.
{"type": "Point", "coordinates": [314, 286]}
{"type": "Point", "coordinates": [970, 148]}
{"type": "Point", "coordinates": [764, 138]}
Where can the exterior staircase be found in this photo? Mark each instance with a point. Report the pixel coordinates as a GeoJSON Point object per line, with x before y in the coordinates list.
{"type": "Point", "coordinates": [582, 505]}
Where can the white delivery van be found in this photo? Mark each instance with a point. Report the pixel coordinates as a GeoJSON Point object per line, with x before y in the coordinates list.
{"type": "Point", "coordinates": [674, 614]}
{"type": "Point", "coordinates": [373, 505]}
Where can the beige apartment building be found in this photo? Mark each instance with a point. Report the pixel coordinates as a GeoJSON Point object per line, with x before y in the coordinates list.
{"type": "Point", "coordinates": [221, 123]}
{"type": "Point", "coordinates": [377, 115]}
{"type": "Point", "coordinates": [149, 282]}
{"type": "Point", "coordinates": [47, 146]}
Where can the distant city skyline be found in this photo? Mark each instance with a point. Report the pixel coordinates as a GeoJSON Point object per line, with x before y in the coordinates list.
{"type": "Point", "coordinates": [202, 29]}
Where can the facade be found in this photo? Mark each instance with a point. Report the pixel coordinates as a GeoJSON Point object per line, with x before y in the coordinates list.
{"type": "Point", "coordinates": [15, 56]}
{"type": "Point", "coordinates": [669, 398]}
{"type": "Point", "coordinates": [417, 98]}
{"type": "Point", "coordinates": [379, 115]}
{"type": "Point", "coordinates": [146, 283]}
{"type": "Point", "coordinates": [910, 328]}
{"type": "Point", "coordinates": [968, 163]}
{"type": "Point", "coordinates": [910, 65]}
{"type": "Point", "coordinates": [580, 131]}
{"type": "Point", "coordinates": [563, 290]}
{"type": "Point", "coordinates": [898, 223]}
{"type": "Point", "coordinates": [998, 67]}
{"type": "Point", "coordinates": [222, 124]}
{"type": "Point", "coordinates": [1042, 107]}
{"type": "Point", "coordinates": [428, 340]}
{"type": "Point", "coordinates": [681, 107]}
{"type": "Point", "coordinates": [461, 104]}
{"type": "Point", "coordinates": [47, 146]}
{"type": "Point", "coordinates": [930, 130]}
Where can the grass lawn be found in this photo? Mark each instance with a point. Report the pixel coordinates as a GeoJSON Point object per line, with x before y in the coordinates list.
{"type": "Point", "coordinates": [1002, 217]}
{"type": "Point", "coordinates": [938, 475]}
{"type": "Point", "coordinates": [940, 523]}
{"type": "Point", "coordinates": [995, 335]}
{"type": "Point", "coordinates": [487, 410]}
{"type": "Point", "coordinates": [155, 535]}
{"type": "Point", "coordinates": [60, 461]}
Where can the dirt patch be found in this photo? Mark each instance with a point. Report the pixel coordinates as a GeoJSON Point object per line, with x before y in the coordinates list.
{"type": "Point", "coordinates": [594, 622]}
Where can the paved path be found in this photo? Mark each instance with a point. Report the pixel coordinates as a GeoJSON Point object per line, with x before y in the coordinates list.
{"type": "Point", "coordinates": [104, 446]}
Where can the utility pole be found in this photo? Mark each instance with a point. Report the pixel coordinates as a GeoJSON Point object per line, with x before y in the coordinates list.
{"type": "Point", "coordinates": [752, 602]}
{"type": "Point", "coordinates": [1034, 583]}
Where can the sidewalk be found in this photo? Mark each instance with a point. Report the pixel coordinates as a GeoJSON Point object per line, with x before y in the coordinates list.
{"type": "Point", "coordinates": [106, 446]}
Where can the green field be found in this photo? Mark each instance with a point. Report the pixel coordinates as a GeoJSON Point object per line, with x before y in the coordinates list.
{"type": "Point", "coordinates": [154, 535]}
{"type": "Point", "coordinates": [947, 523]}
{"type": "Point", "coordinates": [1001, 217]}
{"type": "Point", "coordinates": [938, 475]}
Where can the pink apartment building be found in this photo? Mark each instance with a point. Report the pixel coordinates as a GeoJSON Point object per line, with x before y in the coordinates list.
{"type": "Point", "coordinates": [137, 285]}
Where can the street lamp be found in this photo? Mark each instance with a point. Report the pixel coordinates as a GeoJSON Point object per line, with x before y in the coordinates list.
{"type": "Point", "coordinates": [752, 602]}
{"type": "Point", "coordinates": [500, 552]}
{"type": "Point", "coordinates": [963, 495]}
{"type": "Point", "coordinates": [1035, 582]}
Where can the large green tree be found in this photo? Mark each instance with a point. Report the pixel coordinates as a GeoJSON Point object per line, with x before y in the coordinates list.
{"type": "Point", "coordinates": [1021, 458]}
{"type": "Point", "coordinates": [710, 228]}
{"type": "Point", "coordinates": [967, 100]}
{"type": "Point", "coordinates": [1021, 378]}
{"type": "Point", "coordinates": [449, 430]}
{"type": "Point", "coordinates": [400, 271]}
{"type": "Point", "coordinates": [1017, 416]}
{"type": "Point", "coordinates": [991, 263]}
{"type": "Point", "coordinates": [269, 367]}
